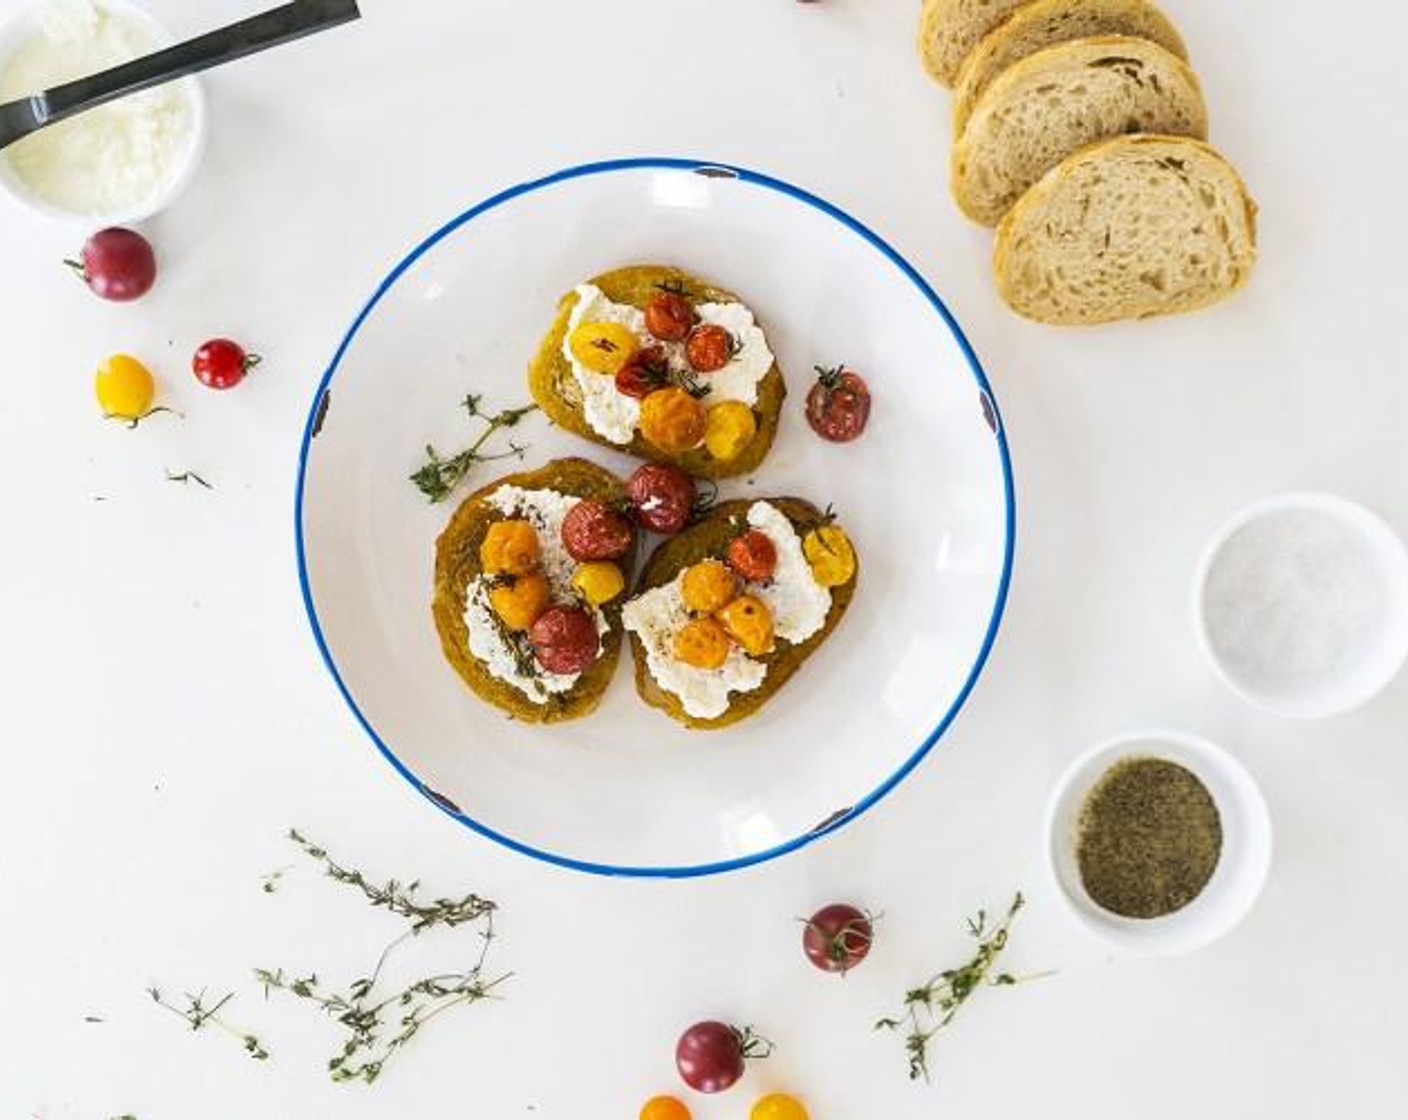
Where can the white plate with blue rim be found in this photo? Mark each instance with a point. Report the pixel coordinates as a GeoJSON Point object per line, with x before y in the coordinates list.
{"type": "Point", "coordinates": [926, 494]}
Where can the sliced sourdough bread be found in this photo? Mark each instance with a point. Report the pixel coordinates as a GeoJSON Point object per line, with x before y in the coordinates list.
{"type": "Point", "coordinates": [949, 29]}
{"type": "Point", "coordinates": [1127, 229]}
{"type": "Point", "coordinates": [1043, 23]}
{"type": "Point", "coordinates": [1059, 100]}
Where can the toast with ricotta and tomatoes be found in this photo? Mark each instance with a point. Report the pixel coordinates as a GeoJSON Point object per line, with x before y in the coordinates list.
{"type": "Point", "coordinates": [530, 575]}
{"type": "Point", "coordinates": [727, 611]}
{"type": "Point", "coordinates": [658, 363]}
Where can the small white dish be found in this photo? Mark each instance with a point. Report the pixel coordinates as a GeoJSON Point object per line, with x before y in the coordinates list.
{"type": "Point", "coordinates": [20, 29]}
{"type": "Point", "coordinates": [1301, 604]}
{"type": "Point", "coordinates": [1241, 870]}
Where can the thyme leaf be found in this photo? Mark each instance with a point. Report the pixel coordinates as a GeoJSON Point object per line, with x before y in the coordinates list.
{"type": "Point", "coordinates": [186, 477]}
{"type": "Point", "coordinates": [198, 1013]}
{"type": "Point", "coordinates": [438, 476]}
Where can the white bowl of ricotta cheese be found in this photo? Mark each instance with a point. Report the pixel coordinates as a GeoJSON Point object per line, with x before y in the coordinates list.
{"type": "Point", "coordinates": [116, 164]}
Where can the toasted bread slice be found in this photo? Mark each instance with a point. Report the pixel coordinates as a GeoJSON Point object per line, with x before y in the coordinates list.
{"type": "Point", "coordinates": [1043, 23]}
{"type": "Point", "coordinates": [708, 538]}
{"type": "Point", "coordinates": [1131, 228]}
{"type": "Point", "coordinates": [949, 29]}
{"type": "Point", "coordinates": [554, 385]}
{"type": "Point", "coordinates": [457, 567]}
{"type": "Point", "coordinates": [1061, 99]}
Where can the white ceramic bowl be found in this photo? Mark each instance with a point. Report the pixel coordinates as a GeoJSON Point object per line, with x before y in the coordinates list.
{"type": "Point", "coordinates": [926, 494]}
{"type": "Point", "coordinates": [1241, 869]}
{"type": "Point", "coordinates": [23, 26]}
{"type": "Point", "coordinates": [1349, 572]}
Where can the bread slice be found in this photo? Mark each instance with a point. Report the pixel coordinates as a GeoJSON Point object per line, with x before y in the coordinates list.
{"type": "Point", "coordinates": [1043, 23]}
{"type": "Point", "coordinates": [1131, 228]}
{"type": "Point", "coordinates": [554, 385]}
{"type": "Point", "coordinates": [457, 564]}
{"type": "Point", "coordinates": [949, 29]}
{"type": "Point", "coordinates": [709, 537]}
{"type": "Point", "coordinates": [1061, 99]}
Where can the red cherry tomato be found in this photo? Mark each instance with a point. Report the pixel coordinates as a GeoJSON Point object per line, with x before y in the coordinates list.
{"type": "Point", "coordinates": [668, 316]}
{"type": "Point", "coordinates": [592, 530]}
{"type": "Point", "coordinates": [222, 364]}
{"type": "Point", "coordinates": [838, 937]}
{"type": "Point", "coordinates": [838, 405]}
{"type": "Point", "coordinates": [753, 556]}
{"type": "Point", "coordinates": [710, 1055]}
{"type": "Point", "coordinates": [117, 264]}
{"type": "Point", "coordinates": [661, 497]}
{"type": "Point", "coordinates": [645, 371]}
{"type": "Point", "coordinates": [565, 640]}
{"type": "Point", "coordinates": [709, 348]}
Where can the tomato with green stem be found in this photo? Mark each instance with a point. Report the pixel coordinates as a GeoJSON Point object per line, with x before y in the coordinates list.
{"type": "Point", "coordinates": [838, 937]}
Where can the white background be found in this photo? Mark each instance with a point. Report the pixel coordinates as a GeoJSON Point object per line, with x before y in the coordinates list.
{"type": "Point", "coordinates": [166, 715]}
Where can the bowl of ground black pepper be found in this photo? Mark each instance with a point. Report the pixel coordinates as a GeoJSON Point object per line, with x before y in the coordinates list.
{"type": "Point", "coordinates": [1159, 841]}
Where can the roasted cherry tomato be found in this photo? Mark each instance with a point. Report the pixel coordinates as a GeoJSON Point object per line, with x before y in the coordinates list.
{"type": "Point", "coordinates": [703, 643]}
{"type": "Point", "coordinates": [117, 264]}
{"type": "Point", "coordinates": [662, 497]}
{"type": "Point", "coordinates": [222, 364]}
{"type": "Point", "coordinates": [709, 348]}
{"type": "Point", "coordinates": [509, 548]}
{"type": "Point", "coordinates": [838, 405]}
{"type": "Point", "coordinates": [602, 347]}
{"type": "Point", "coordinates": [521, 600]}
{"type": "Point", "coordinates": [664, 1108]}
{"type": "Point", "coordinates": [830, 555]}
{"type": "Point", "coordinates": [708, 586]}
{"type": "Point", "coordinates": [710, 1055]}
{"type": "Point", "coordinates": [753, 555]}
{"type": "Point", "coordinates": [672, 420]}
{"type": "Point", "coordinates": [645, 371]}
{"type": "Point", "coordinates": [729, 427]}
{"type": "Point", "coordinates": [125, 388]}
{"type": "Point", "coordinates": [598, 582]}
{"type": "Point", "coordinates": [749, 623]}
{"type": "Point", "coordinates": [778, 1106]}
{"type": "Point", "coordinates": [565, 640]}
{"type": "Point", "coordinates": [669, 316]}
{"type": "Point", "coordinates": [592, 530]}
{"type": "Point", "coordinates": [837, 937]}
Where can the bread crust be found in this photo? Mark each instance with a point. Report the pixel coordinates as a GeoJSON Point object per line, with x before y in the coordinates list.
{"type": "Point", "coordinates": [709, 537]}
{"type": "Point", "coordinates": [554, 386]}
{"type": "Point", "coordinates": [457, 563]}
{"type": "Point", "coordinates": [950, 29]}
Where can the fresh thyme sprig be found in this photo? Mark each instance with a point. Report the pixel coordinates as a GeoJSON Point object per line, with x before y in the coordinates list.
{"type": "Point", "coordinates": [438, 477]}
{"type": "Point", "coordinates": [188, 476]}
{"type": "Point", "coordinates": [398, 898]}
{"type": "Point", "coordinates": [133, 421]}
{"type": "Point", "coordinates": [269, 883]}
{"type": "Point", "coordinates": [198, 1014]}
{"type": "Point", "coordinates": [931, 1007]}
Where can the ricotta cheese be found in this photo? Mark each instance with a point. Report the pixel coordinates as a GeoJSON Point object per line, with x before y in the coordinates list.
{"type": "Point", "coordinates": [616, 416]}
{"type": "Point", "coordinates": [798, 603]}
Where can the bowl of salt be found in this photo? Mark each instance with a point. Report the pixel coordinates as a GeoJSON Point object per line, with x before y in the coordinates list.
{"type": "Point", "coordinates": [1301, 604]}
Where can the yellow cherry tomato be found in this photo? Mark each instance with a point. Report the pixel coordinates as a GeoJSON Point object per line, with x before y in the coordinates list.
{"type": "Point", "coordinates": [664, 1108]}
{"type": "Point", "coordinates": [729, 427]}
{"type": "Point", "coordinates": [598, 582]}
{"type": "Point", "coordinates": [778, 1106]}
{"type": "Point", "coordinates": [603, 347]}
{"type": "Point", "coordinates": [672, 420]}
{"type": "Point", "coordinates": [510, 548]}
{"type": "Point", "coordinates": [702, 643]}
{"type": "Point", "coordinates": [708, 586]}
{"type": "Point", "coordinates": [749, 623]}
{"type": "Point", "coordinates": [125, 388]}
{"type": "Point", "coordinates": [830, 555]}
{"type": "Point", "coordinates": [521, 599]}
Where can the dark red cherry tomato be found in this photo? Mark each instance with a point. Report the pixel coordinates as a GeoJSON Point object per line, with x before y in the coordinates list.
{"type": "Point", "coordinates": [222, 364]}
{"type": "Point", "coordinates": [668, 316]}
{"type": "Point", "coordinates": [711, 1055]}
{"type": "Point", "coordinates": [661, 497]}
{"type": "Point", "coordinates": [592, 530]}
{"type": "Point", "coordinates": [117, 264]}
{"type": "Point", "coordinates": [645, 371]}
{"type": "Point", "coordinates": [565, 640]}
{"type": "Point", "coordinates": [837, 937]}
{"type": "Point", "coordinates": [753, 556]}
{"type": "Point", "coordinates": [838, 405]}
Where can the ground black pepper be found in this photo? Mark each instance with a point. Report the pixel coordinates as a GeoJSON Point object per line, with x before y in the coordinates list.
{"type": "Point", "coordinates": [1149, 838]}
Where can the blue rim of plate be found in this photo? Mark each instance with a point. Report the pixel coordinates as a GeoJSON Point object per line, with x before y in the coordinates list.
{"type": "Point", "coordinates": [989, 401]}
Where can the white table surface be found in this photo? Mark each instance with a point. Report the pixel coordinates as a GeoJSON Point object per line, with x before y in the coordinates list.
{"type": "Point", "coordinates": [167, 715]}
